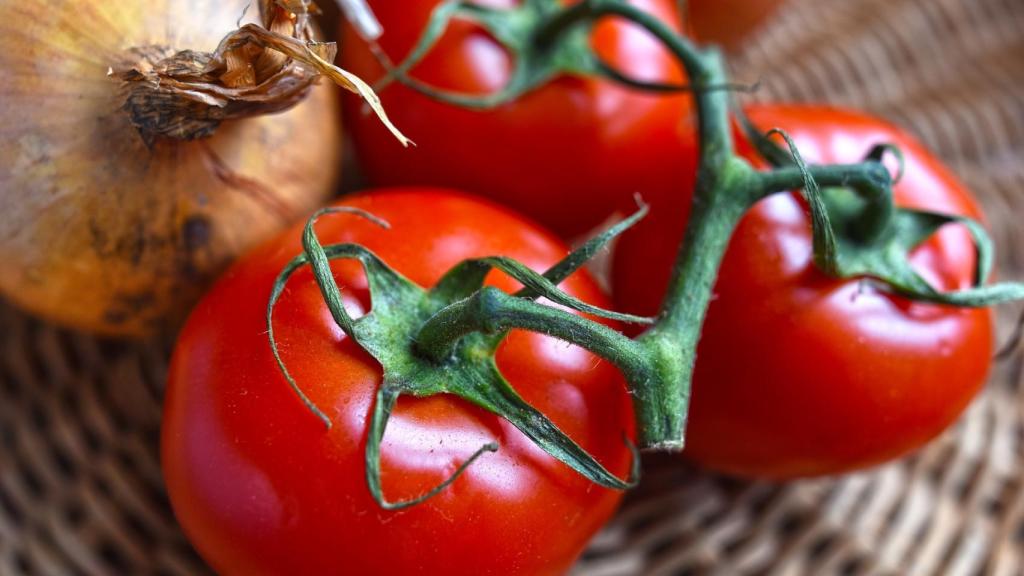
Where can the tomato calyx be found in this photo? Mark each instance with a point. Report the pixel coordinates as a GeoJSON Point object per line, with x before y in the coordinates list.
{"type": "Point", "coordinates": [444, 340]}
{"type": "Point", "coordinates": [544, 38]}
{"type": "Point", "coordinates": [858, 232]}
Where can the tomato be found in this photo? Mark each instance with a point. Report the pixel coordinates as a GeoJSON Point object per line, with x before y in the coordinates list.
{"type": "Point", "coordinates": [728, 22]}
{"type": "Point", "coordinates": [799, 374]}
{"type": "Point", "coordinates": [567, 154]}
{"type": "Point", "coordinates": [261, 487]}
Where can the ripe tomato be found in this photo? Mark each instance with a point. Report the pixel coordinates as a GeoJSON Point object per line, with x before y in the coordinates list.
{"type": "Point", "coordinates": [568, 154]}
{"type": "Point", "coordinates": [728, 22]}
{"type": "Point", "coordinates": [799, 374]}
{"type": "Point", "coordinates": [261, 487]}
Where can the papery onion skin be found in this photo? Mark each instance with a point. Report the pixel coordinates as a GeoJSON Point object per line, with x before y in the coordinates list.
{"type": "Point", "coordinates": [102, 233]}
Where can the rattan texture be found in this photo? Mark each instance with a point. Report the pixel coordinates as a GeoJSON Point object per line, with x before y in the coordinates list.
{"type": "Point", "coordinates": [80, 486]}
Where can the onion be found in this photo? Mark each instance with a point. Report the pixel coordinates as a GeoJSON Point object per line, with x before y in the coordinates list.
{"type": "Point", "coordinates": [133, 171]}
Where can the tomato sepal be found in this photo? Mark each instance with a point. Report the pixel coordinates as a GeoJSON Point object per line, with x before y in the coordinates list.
{"type": "Point", "coordinates": [467, 321]}
{"type": "Point", "coordinates": [545, 40]}
{"type": "Point", "coordinates": [859, 232]}
{"type": "Point", "coordinates": [888, 262]}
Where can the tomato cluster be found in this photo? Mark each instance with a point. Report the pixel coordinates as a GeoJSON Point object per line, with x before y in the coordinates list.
{"type": "Point", "coordinates": [798, 373]}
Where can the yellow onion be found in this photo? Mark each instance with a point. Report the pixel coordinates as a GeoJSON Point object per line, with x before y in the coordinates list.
{"type": "Point", "coordinates": [137, 156]}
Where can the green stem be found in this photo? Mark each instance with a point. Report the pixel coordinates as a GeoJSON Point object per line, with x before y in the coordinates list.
{"type": "Point", "coordinates": [659, 365]}
{"type": "Point", "coordinates": [672, 342]}
{"type": "Point", "coordinates": [715, 212]}
{"type": "Point", "coordinates": [492, 311]}
{"type": "Point", "coordinates": [659, 410]}
{"type": "Point", "coordinates": [704, 68]}
{"type": "Point", "coordinates": [871, 180]}
{"type": "Point", "coordinates": [725, 189]}
{"type": "Point", "coordinates": [721, 198]}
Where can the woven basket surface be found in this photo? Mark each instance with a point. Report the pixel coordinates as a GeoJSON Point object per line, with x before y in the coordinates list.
{"type": "Point", "coordinates": [80, 486]}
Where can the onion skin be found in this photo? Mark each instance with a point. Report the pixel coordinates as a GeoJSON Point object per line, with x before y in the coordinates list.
{"type": "Point", "coordinates": [97, 230]}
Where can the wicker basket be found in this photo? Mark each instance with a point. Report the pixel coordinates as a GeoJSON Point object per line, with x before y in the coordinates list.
{"type": "Point", "coordinates": [80, 486]}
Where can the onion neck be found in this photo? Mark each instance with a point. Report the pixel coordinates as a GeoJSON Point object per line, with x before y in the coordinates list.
{"type": "Point", "coordinates": [257, 69]}
{"type": "Point", "coordinates": [187, 94]}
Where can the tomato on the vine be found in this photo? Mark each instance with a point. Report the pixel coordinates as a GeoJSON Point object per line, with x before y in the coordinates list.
{"type": "Point", "coordinates": [262, 487]}
{"type": "Point", "coordinates": [799, 374]}
{"type": "Point", "coordinates": [568, 154]}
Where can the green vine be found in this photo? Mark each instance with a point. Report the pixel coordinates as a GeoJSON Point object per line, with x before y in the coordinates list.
{"type": "Point", "coordinates": [443, 340]}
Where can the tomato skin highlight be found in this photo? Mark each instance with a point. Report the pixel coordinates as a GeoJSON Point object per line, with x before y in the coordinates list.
{"type": "Point", "coordinates": [262, 488]}
{"type": "Point", "coordinates": [568, 154]}
{"type": "Point", "coordinates": [801, 375]}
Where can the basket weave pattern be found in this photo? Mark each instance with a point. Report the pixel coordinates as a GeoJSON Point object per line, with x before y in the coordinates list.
{"type": "Point", "coordinates": [80, 486]}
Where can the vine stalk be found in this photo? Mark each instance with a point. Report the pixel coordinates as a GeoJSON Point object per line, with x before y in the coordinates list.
{"type": "Point", "coordinates": [444, 340]}
{"type": "Point", "coordinates": [659, 364]}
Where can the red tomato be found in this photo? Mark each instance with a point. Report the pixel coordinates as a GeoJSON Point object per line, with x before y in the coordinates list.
{"type": "Point", "coordinates": [728, 22]}
{"type": "Point", "coordinates": [568, 154]}
{"type": "Point", "coordinates": [799, 374]}
{"type": "Point", "coordinates": [261, 487]}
